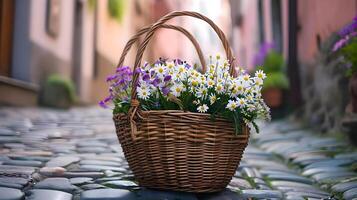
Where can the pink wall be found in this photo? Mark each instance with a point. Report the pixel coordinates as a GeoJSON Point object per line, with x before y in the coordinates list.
{"type": "Point", "coordinates": [315, 17]}
{"type": "Point", "coordinates": [320, 18]}
{"type": "Point", "coordinates": [171, 44]}
{"type": "Point", "coordinates": [247, 41]}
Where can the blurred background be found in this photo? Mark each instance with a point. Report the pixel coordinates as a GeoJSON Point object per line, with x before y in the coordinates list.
{"type": "Point", "coordinates": [77, 43]}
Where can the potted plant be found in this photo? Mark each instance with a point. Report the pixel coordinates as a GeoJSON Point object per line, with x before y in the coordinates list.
{"type": "Point", "coordinates": [346, 46]}
{"type": "Point", "coordinates": [276, 81]}
{"type": "Point", "coordinates": [181, 129]}
{"type": "Point", "coordinates": [58, 92]}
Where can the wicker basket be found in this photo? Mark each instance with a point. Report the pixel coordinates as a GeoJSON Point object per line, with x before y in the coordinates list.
{"type": "Point", "coordinates": [177, 150]}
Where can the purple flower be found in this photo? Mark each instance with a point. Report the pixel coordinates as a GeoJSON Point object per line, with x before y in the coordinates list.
{"type": "Point", "coordinates": [343, 41]}
{"type": "Point", "coordinates": [262, 53]}
{"type": "Point", "coordinates": [349, 28]}
{"type": "Point", "coordinates": [165, 90]}
{"type": "Point", "coordinates": [167, 78]}
{"type": "Point", "coordinates": [111, 77]}
{"type": "Point", "coordinates": [339, 44]}
{"type": "Point", "coordinates": [146, 77]}
{"type": "Point", "coordinates": [152, 73]}
{"type": "Point", "coordinates": [155, 82]}
{"type": "Point", "coordinates": [102, 104]}
{"type": "Point", "coordinates": [139, 71]}
{"type": "Point", "coordinates": [123, 69]}
{"type": "Point", "coordinates": [161, 61]}
{"type": "Point", "coordinates": [108, 98]}
{"type": "Point", "coordinates": [178, 61]}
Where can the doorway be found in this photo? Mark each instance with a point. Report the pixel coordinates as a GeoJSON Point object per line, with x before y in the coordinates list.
{"type": "Point", "coordinates": [6, 30]}
{"type": "Point", "coordinates": [77, 45]}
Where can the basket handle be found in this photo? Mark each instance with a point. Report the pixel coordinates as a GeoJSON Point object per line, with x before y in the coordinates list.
{"type": "Point", "coordinates": [157, 25]}
{"type": "Point", "coordinates": [136, 37]}
{"type": "Point", "coordinates": [134, 102]}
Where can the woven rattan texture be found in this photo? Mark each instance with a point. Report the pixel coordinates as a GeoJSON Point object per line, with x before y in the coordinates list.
{"type": "Point", "coordinates": [181, 151]}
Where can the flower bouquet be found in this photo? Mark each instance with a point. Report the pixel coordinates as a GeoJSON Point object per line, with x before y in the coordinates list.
{"type": "Point", "coordinates": [184, 127]}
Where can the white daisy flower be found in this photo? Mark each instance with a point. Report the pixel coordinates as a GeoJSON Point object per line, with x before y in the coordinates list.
{"type": "Point", "coordinates": [143, 93]}
{"type": "Point", "coordinates": [177, 89]}
{"type": "Point", "coordinates": [258, 81]}
{"type": "Point", "coordinates": [237, 90]}
{"type": "Point", "coordinates": [144, 85]}
{"type": "Point", "coordinates": [250, 98]}
{"type": "Point", "coordinates": [170, 65]}
{"type": "Point", "coordinates": [160, 70]}
{"type": "Point", "coordinates": [246, 77]}
{"type": "Point", "coordinates": [241, 102]}
{"type": "Point", "coordinates": [192, 72]}
{"type": "Point", "coordinates": [210, 83]}
{"type": "Point", "coordinates": [240, 89]}
{"type": "Point", "coordinates": [201, 92]}
{"type": "Point", "coordinates": [212, 98]}
{"type": "Point", "coordinates": [196, 102]}
{"type": "Point", "coordinates": [232, 105]}
{"type": "Point", "coordinates": [194, 82]}
{"type": "Point", "coordinates": [181, 69]}
{"type": "Point", "coordinates": [219, 88]}
{"type": "Point", "coordinates": [260, 74]}
{"type": "Point", "coordinates": [202, 109]}
{"type": "Point", "coordinates": [251, 107]}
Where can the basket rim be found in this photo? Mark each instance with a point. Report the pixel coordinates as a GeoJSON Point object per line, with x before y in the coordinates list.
{"type": "Point", "coordinates": [178, 112]}
{"type": "Point", "coordinates": [170, 111]}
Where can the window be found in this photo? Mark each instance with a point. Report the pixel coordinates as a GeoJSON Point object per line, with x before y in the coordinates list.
{"type": "Point", "coordinates": [276, 23]}
{"type": "Point", "coordinates": [261, 22]}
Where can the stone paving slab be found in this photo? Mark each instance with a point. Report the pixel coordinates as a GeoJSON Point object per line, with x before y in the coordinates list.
{"type": "Point", "coordinates": [75, 154]}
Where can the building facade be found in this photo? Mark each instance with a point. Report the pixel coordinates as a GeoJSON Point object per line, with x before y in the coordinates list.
{"type": "Point", "coordinates": [304, 32]}
{"type": "Point", "coordinates": [81, 40]}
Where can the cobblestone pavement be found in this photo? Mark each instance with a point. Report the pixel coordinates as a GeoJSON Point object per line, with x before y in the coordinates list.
{"type": "Point", "coordinates": [61, 155]}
